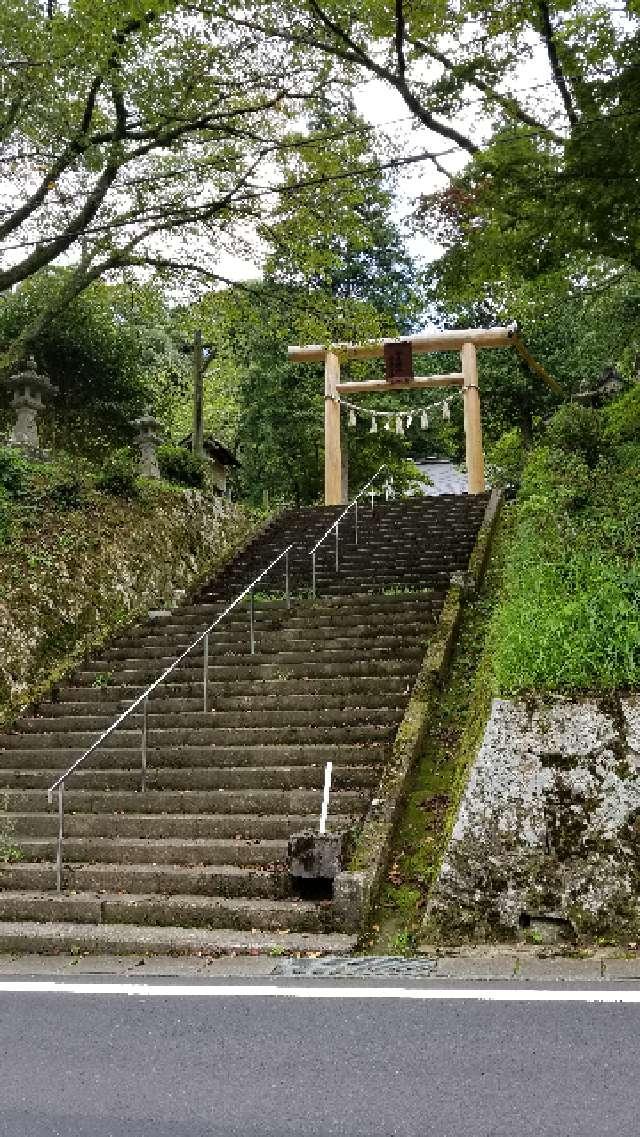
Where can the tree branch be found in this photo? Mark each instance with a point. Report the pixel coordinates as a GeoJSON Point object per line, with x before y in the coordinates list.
{"type": "Point", "coordinates": [65, 159]}
{"type": "Point", "coordinates": [556, 67]}
{"type": "Point", "coordinates": [401, 62]}
{"type": "Point", "coordinates": [79, 143]}
{"type": "Point", "coordinates": [44, 253]}
{"type": "Point", "coordinates": [507, 101]}
{"type": "Point", "coordinates": [426, 117]}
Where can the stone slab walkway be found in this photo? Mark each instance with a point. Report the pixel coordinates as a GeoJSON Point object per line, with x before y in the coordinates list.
{"type": "Point", "coordinates": [443, 476]}
{"type": "Point", "coordinates": [469, 965]}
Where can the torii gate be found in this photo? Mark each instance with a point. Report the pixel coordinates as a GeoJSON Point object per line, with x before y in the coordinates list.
{"type": "Point", "coordinates": [465, 340]}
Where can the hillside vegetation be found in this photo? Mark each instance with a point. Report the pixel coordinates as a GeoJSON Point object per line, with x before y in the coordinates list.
{"type": "Point", "coordinates": [569, 616]}
{"type": "Point", "coordinates": [84, 552]}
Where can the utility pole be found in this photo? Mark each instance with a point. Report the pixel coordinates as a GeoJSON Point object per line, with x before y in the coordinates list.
{"type": "Point", "coordinates": [197, 432]}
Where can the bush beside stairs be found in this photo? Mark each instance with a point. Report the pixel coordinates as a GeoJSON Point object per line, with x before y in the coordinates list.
{"type": "Point", "coordinates": [196, 863]}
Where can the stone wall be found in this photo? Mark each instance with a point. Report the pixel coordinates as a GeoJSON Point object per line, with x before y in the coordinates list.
{"type": "Point", "coordinates": [546, 843]}
{"type": "Point", "coordinates": [82, 574]}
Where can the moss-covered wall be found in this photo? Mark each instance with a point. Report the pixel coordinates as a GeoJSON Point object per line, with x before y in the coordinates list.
{"type": "Point", "coordinates": [72, 577]}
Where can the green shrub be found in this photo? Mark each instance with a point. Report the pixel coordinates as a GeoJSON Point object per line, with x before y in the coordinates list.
{"type": "Point", "coordinates": [506, 458]}
{"type": "Point", "coordinates": [622, 417]}
{"type": "Point", "coordinates": [118, 475]}
{"type": "Point", "coordinates": [67, 494]}
{"type": "Point", "coordinates": [562, 481]}
{"type": "Point", "coordinates": [179, 465]}
{"type": "Point", "coordinates": [576, 430]}
{"type": "Point", "coordinates": [569, 617]}
{"type": "Point", "coordinates": [14, 469]}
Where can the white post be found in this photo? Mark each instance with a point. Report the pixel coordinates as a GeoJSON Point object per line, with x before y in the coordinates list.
{"type": "Point", "coordinates": [325, 797]}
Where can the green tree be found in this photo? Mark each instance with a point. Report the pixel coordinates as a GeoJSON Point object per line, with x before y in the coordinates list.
{"type": "Point", "coordinates": [103, 353]}
{"type": "Point", "coordinates": [134, 134]}
{"type": "Point", "coordinates": [566, 143]}
{"type": "Point", "coordinates": [338, 235]}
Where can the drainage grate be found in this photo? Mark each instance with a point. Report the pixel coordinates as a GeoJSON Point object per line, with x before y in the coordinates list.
{"type": "Point", "coordinates": [366, 966]}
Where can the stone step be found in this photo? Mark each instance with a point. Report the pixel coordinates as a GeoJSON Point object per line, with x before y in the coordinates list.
{"type": "Point", "coordinates": [147, 658]}
{"type": "Point", "coordinates": [159, 704]}
{"type": "Point", "coordinates": [159, 851]}
{"type": "Point", "coordinates": [299, 616]}
{"type": "Point", "coordinates": [196, 721]}
{"type": "Point", "coordinates": [362, 603]}
{"type": "Point", "coordinates": [196, 778]}
{"type": "Point", "coordinates": [326, 637]}
{"type": "Point", "coordinates": [328, 687]}
{"type": "Point", "coordinates": [79, 741]}
{"type": "Point", "coordinates": [206, 843]}
{"type": "Point", "coordinates": [185, 911]}
{"type": "Point", "coordinates": [55, 938]}
{"type": "Point", "coordinates": [344, 585]}
{"type": "Point", "coordinates": [312, 667]}
{"type": "Point", "coordinates": [294, 647]}
{"type": "Point", "coordinates": [191, 757]}
{"type": "Point", "coordinates": [222, 801]}
{"type": "Point", "coordinates": [167, 880]}
{"type": "Point", "coordinates": [210, 826]}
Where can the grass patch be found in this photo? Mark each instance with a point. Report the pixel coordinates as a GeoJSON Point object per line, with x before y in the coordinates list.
{"type": "Point", "coordinates": [570, 615]}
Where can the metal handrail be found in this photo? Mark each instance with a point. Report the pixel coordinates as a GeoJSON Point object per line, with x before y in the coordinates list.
{"type": "Point", "coordinates": [144, 697]}
{"type": "Point", "coordinates": [336, 525]}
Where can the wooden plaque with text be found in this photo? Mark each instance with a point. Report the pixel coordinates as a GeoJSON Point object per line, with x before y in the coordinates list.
{"type": "Point", "coordinates": [398, 361]}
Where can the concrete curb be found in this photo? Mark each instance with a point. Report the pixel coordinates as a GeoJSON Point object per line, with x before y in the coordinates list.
{"type": "Point", "coordinates": [355, 889]}
{"type": "Point", "coordinates": [507, 965]}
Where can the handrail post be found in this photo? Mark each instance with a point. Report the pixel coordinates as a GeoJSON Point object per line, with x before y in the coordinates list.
{"type": "Point", "coordinates": [251, 624]}
{"type": "Point", "coordinates": [205, 672]}
{"type": "Point", "coordinates": [60, 836]}
{"type": "Point", "coordinates": [287, 583]}
{"type": "Point", "coordinates": [337, 553]}
{"type": "Point", "coordinates": [356, 519]}
{"type": "Point", "coordinates": [372, 502]}
{"type": "Point", "coordinates": [313, 574]}
{"type": "Point", "coordinates": [145, 729]}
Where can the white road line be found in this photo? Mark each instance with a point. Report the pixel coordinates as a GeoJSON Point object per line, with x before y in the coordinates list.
{"type": "Point", "coordinates": [271, 991]}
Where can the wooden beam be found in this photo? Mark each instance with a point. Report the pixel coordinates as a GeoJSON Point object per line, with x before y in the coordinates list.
{"type": "Point", "coordinates": [533, 365]}
{"type": "Point", "coordinates": [451, 340]}
{"type": "Point", "coordinates": [363, 385]}
{"type": "Point", "coordinates": [472, 420]}
{"type": "Point", "coordinates": [332, 445]}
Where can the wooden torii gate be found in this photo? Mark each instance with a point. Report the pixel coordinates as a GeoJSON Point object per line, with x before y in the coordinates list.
{"type": "Point", "coordinates": [465, 340]}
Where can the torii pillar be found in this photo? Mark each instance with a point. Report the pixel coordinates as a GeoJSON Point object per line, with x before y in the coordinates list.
{"type": "Point", "coordinates": [332, 440]}
{"type": "Point", "coordinates": [472, 419]}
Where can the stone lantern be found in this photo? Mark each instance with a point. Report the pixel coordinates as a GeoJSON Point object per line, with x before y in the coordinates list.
{"type": "Point", "coordinates": [147, 439]}
{"type": "Point", "coordinates": [28, 390]}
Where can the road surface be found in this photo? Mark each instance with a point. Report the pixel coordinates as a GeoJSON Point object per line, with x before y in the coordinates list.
{"type": "Point", "coordinates": [359, 1060]}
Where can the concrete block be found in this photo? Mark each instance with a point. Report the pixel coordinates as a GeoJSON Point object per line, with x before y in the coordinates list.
{"type": "Point", "coordinates": [315, 856]}
{"type": "Point", "coordinates": [351, 895]}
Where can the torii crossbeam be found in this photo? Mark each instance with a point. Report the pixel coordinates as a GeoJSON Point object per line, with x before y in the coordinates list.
{"type": "Point", "coordinates": [465, 340]}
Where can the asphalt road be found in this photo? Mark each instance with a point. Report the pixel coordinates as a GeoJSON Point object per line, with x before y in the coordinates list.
{"type": "Point", "coordinates": [95, 1065]}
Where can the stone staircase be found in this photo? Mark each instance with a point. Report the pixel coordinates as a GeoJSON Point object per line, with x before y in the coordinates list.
{"type": "Point", "coordinates": [197, 861]}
